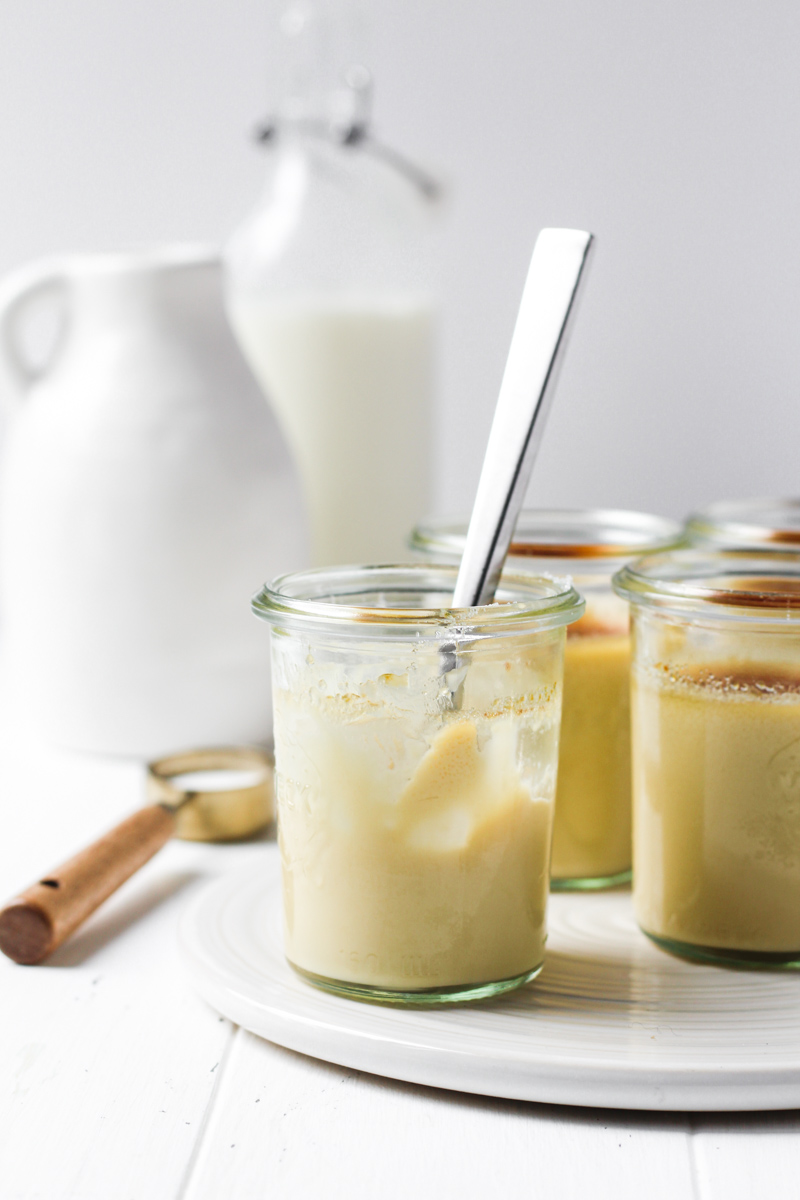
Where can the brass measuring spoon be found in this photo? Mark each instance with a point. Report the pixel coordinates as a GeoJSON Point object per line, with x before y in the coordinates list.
{"type": "Point", "coordinates": [37, 921]}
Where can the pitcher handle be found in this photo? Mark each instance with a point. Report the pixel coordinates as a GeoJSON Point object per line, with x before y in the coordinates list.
{"type": "Point", "coordinates": [18, 290]}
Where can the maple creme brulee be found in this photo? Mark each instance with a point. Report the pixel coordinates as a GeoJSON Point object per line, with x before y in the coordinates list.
{"type": "Point", "coordinates": [754, 524]}
{"type": "Point", "coordinates": [716, 753]}
{"type": "Point", "coordinates": [592, 830]}
{"type": "Point", "coordinates": [415, 753]}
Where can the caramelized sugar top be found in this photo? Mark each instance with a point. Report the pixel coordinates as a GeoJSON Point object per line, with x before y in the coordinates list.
{"type": "Point", "coordinates": [769, 680]}
{"type": "Point", "coordinates": [755, 591]}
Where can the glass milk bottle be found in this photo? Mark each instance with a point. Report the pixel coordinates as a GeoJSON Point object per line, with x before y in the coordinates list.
{"type": "Point", "coordinates": [329, 297]}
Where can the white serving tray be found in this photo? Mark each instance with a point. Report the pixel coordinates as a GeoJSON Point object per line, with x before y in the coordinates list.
{"type": "Point", "coordinates": [611, 1021]}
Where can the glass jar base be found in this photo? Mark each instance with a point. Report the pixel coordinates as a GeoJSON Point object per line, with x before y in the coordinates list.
{"type": "Point", "coordinates": [592, 883]}
{"type": "Point", "coordinates": [746, 960]}
{"type": "Point", "coordinates": [423, 997]}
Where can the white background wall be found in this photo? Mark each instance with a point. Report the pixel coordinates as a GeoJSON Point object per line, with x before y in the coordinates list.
{"type": "Point", "coordinates": [670, 130]}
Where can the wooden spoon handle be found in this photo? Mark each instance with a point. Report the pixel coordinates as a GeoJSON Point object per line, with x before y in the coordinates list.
{"type": "Point", "coordinates": [38, 921]}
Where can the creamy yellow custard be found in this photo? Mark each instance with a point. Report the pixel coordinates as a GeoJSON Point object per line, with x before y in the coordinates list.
{"type": "Point", "coordinates": [592, 830]}
{"type": "Point", "coordinates": [415, 850]}
{"type": "Point", "coordinates": [716, 781]}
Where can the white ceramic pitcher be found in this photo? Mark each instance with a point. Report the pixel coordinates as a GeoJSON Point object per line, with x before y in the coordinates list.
{"type": "Point", "coordinates": [146, 492]}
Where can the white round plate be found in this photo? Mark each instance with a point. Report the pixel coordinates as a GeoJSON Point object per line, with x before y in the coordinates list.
{"type": "Point", "coordinates": [611, 1022]}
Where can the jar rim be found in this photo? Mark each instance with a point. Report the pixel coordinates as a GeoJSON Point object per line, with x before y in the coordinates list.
{"type": "Point", "coordinates": [589, 533]}
{"type": "Point", "coordinates": [325, 597]}
{"type": "Point", "coordinates": [739, 585]}
{"type": "Point", "coordinates": [771, 522]}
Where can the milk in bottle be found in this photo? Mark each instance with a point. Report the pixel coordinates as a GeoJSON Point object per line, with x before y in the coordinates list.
{"type": "Point", "coordinates": [351, 381]}
{"type": "Point", "coordinates": [329, 294]}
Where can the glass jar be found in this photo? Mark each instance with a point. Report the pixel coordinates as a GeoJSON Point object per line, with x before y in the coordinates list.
{"type": "Point", "coordinates": [592, 833]}
{"type": "Point", "coordinates": [332, 294]}
{"type": "Point", "coordinates": [716, 753]}
{"type": "Point", "coordinates": [415, 814]}
{"type": "Point", "coordinates": [763, 524]}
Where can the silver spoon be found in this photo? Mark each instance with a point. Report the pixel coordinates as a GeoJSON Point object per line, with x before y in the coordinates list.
{"type": "Point", "coordinates": [557, 271]}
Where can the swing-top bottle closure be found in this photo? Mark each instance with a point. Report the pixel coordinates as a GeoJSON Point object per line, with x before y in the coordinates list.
{"type": "Point", "coordinates": [349, 125]}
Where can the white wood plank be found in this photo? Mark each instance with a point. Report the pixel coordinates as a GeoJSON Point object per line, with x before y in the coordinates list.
{"type": "Point", "coordinates": [741, 1156]}
{"type": "Point", "coordinates": [287, 1126]}
{"type": "Point", "coordinates": [108, 1062]}
{"type": "Point", "coordinates": [104, 1092]}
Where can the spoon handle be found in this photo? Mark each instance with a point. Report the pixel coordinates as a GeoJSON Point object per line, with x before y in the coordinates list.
{"type": "Point", "coordinates": [555, 276]}
{"type": "Point", "coordinates": [37, 922]}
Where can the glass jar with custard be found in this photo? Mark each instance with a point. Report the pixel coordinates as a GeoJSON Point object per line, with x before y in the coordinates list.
{"type": "Point", "coordinates": [757, 524]}
{"type": "Point", "coordinates": [416, 750]}
{"type": "Point", "coordinates": [592, 832]}
{"type": "Point", "coordinates": [716, 753]}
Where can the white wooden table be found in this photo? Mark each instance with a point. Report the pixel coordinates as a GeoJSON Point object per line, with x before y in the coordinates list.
{"type": "Point", "coordinates": [118, 1083]}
